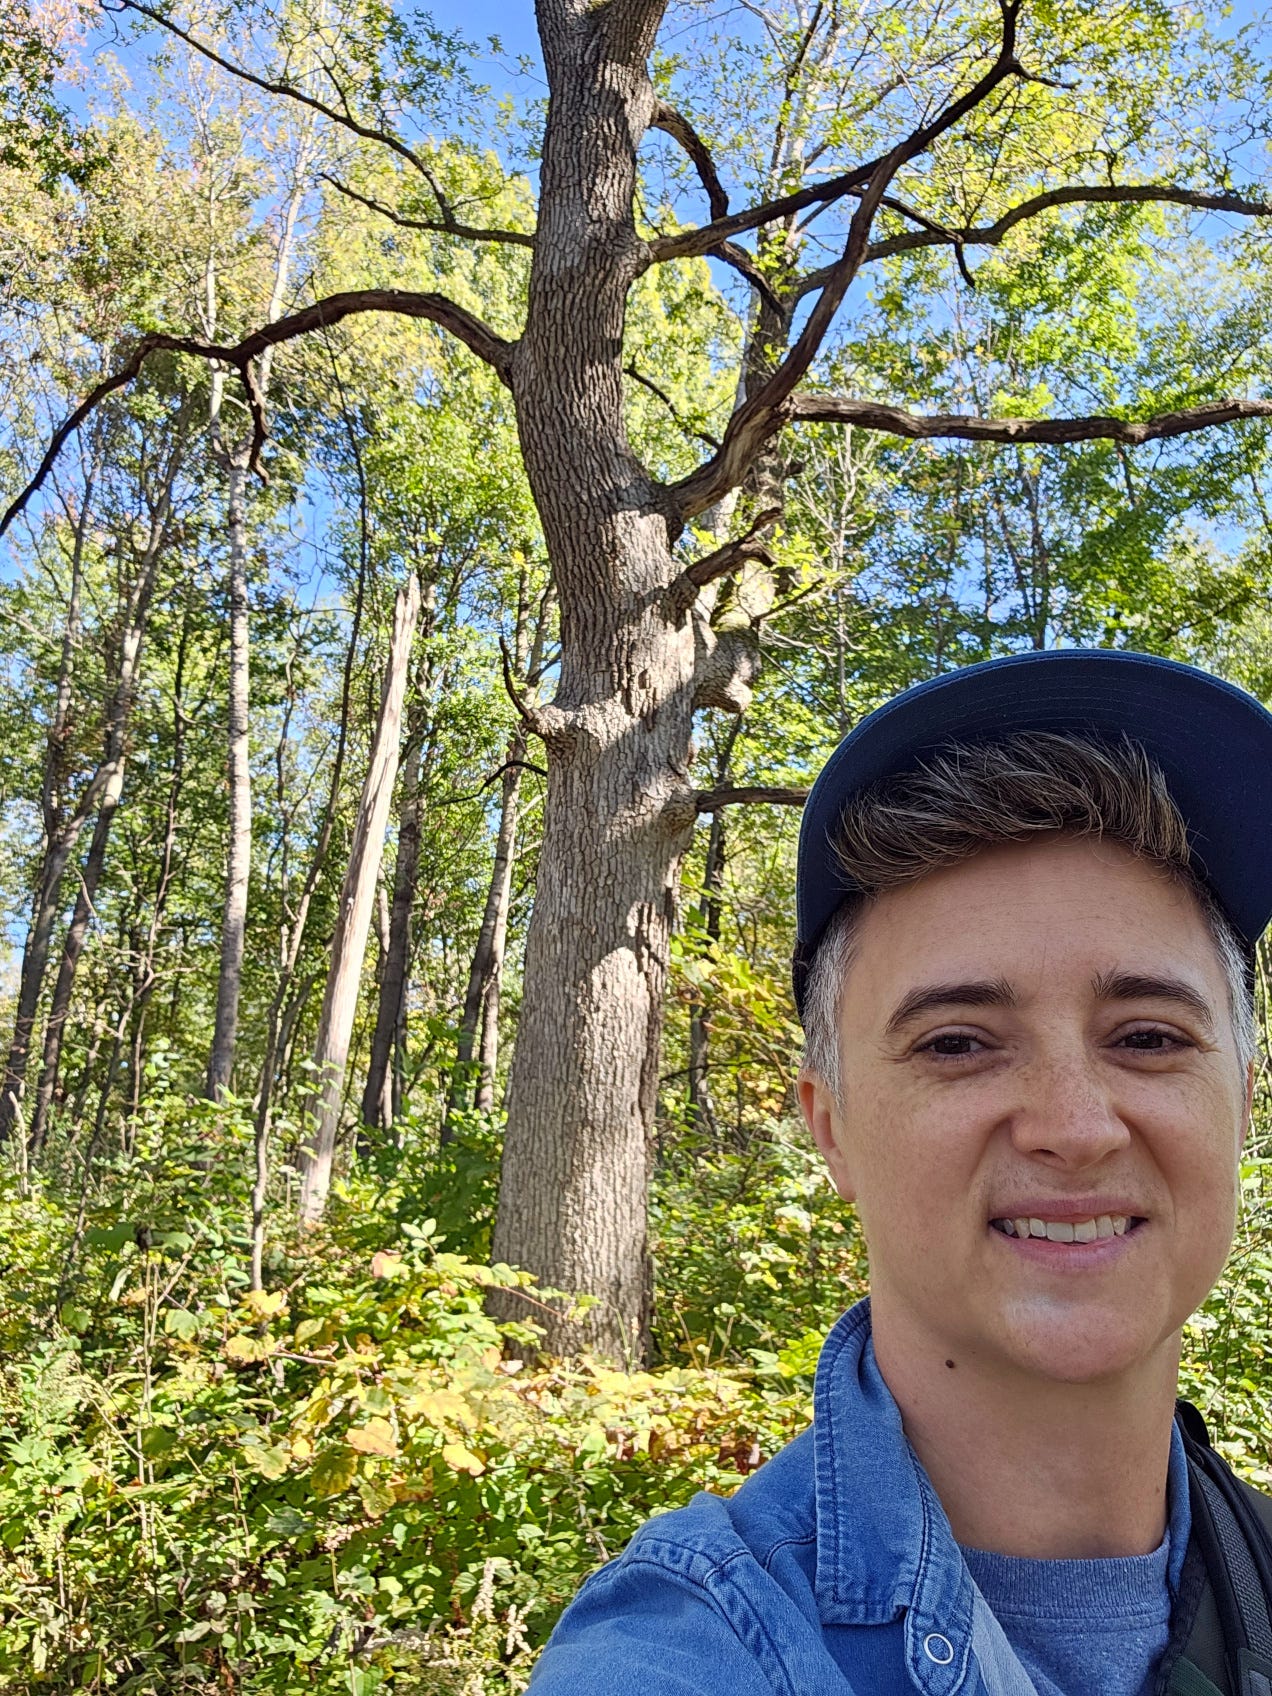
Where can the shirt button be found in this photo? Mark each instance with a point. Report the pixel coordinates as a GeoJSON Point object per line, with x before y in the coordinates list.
{"type": "Point", "coordinates": [938, 1648]}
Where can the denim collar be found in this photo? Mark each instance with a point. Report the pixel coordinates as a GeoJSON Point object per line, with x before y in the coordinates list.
{"type": "Point", "coordinates": [884, 1544]}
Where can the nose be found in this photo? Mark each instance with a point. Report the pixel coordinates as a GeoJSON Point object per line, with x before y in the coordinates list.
{"type": "Point", "coordinates": [1066, 1112]}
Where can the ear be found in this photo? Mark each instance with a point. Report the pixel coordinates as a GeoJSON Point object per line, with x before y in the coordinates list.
{"type": "Point", "coordinates": [1249, 1105]}
{"type": "Point", "coordinates": [825, 1121]}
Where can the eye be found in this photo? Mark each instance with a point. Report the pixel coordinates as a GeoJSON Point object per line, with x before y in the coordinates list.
{"type": "Point", "coordinates": [951, 1045]}
{"type": "Point", "coordinates": [1152, 1039]}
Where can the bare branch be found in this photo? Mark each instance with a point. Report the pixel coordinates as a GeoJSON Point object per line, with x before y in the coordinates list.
{"type": "Point", "coordinates": [1096, 194]}
{"type": "Point", "coordinates": [711, 800]}
{"type": "Point", "coordinates": [645, 382]}
{"type": "Point", "coordinates": [549, 723]}
{"type": "Point", "coordinates": [673, 123]}
{"type": "Point", "coordinates": [435, 226]}
{"type": "Point", "coordinates": [683, 590]}
{"type": "Point", "coordinates": [477, 336]}
{"type": "Point", "coordinates": [895, 421]}
{"type": "Point", "coordinates": [762, 414]}
{"type": "Point", "coordinates": [689, 243]}
{"type": "Point", "coordinates": [345, 118]}
{"type": "Point", "coordinates": [744, 264]}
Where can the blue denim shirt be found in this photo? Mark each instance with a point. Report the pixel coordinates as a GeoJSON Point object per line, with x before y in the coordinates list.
{"type": "Point", "coordinates": [831, 1572]}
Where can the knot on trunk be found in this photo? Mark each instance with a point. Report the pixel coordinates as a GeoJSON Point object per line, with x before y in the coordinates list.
{"type": "Point", "coordinates": [728, 665]}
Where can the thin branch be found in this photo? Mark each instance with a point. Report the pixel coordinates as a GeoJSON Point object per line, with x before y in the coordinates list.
{"type": "Point", "coordinates": [762, 414]}
{"type": "Point", "coordinates": [645, 382]}
{"type": "Point", "coordinates": [690, 243]}
{"type": "Point", "coordinates": [435, 226]}
{"type": "Point", "coordinates": [548, 723]}
{"type": "Point", "coordinates": [673, 123]}
{"type": "Point", "coordinates": [1097, 194]}
{"type": "Point", "coordinates": [711, 800]}
{"type": "Point", "coordinates": [895, 421]}
{"type": "Point", "coordinates": [683, 591]}
{"type": "Point", "coordinates": [345, 119]}
{"type": "Point", "coordinates": [477, 336]}
{"type": "Point", "coordinates": [493, 777]}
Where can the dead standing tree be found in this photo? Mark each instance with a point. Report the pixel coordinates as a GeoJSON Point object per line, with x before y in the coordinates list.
{"type": "Point", "coordinates": [639, 655]}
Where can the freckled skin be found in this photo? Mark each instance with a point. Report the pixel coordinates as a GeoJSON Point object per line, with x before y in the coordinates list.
{"type": "Point", "coordinates": [1065, 1385]}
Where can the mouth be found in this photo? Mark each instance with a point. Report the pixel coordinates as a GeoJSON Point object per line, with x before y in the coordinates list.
{"type": "Point", "coordinates": [1100, 1227]}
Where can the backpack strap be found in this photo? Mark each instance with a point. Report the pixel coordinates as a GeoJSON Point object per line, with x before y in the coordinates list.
{"type": "Point", "coordinates": [1236, 1546]}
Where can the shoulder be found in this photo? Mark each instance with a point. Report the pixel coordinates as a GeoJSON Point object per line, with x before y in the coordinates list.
{"type": "Point", "coordinates": [706, 1586]}
{"type": "Point", "coordinates": [773, 1510]}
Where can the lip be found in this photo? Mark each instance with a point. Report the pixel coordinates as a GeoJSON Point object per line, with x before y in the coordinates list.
{"type": "Point", "coordinates": [1070, 1211]}
{"type": "Point", "coordinates": [1068, 1259]}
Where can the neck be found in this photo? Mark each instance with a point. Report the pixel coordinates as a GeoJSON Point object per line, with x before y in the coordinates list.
{"type": "Point", "coordinates": [1029, 1466]}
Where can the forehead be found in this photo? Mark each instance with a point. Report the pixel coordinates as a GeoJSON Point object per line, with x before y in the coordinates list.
{"type": "Point", "coordinates": [1055, 905]}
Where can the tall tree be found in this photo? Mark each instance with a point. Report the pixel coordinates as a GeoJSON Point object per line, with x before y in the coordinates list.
{"type": "Point", "coordinates": [949, 134]}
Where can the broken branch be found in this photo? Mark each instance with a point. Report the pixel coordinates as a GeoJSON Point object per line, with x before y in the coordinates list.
{"type": "Point", "coordinates": [711, 800]}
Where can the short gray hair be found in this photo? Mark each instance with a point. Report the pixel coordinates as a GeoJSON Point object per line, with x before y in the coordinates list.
{"type": "Point", "coordinates": [969, 796]}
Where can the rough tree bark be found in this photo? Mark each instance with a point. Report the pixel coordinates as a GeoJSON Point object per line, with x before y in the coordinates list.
{"type": "Point", "coordinates": [353, 923]}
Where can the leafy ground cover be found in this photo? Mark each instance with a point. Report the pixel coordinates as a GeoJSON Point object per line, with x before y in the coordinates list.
{"type": "Point", "coordinates": [356, 1480]}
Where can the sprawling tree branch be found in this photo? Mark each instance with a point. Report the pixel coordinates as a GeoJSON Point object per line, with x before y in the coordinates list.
{"type": "Point", "coordinates": [433, 226]}
{"type": "Point", "coordinates": [711, 800]}
{"type": "Point", "coordinates": [677, 126]}
{"type": "Point", "coordinates": [1076, 194]}
{"type": "Point", "coordinates": [895, 421]}
{"type": "Point", "coordinates": [447, 221]}
{"type": "Point", "coordinates": [477, 336]}
{"type": "Point", "coordinates": [762, 414]}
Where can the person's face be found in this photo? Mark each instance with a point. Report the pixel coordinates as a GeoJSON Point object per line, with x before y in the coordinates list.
{"type": "Point", "coordinates": [1040, 1033]}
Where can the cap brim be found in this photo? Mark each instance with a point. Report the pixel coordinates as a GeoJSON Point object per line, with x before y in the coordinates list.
{"type": "Point", "coordinates": [1212, 741]}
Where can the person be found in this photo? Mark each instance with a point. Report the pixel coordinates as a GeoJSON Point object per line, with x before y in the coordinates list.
{"type": "Point", "coordinates": [1028, 894]}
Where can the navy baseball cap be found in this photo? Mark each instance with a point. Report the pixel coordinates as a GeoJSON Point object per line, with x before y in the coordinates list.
{"type": "Point", "coordinates": [1212, 741]}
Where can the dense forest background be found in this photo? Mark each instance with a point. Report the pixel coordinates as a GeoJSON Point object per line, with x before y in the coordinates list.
{"type": "Point", "coordinates": [321, 659]}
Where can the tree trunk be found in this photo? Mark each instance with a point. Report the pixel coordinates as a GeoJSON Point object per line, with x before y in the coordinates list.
{"type": "Point", "coordinates": [63, 830]}
{"type": "Point", "coordinates": [72, 948]}
{"type": "Point", "coordinates": [478, 1022]}
{"type": "Point", "coordinates": [701, 1107]}
{"type": "Point", "coordinates": [239, 853]}
{"type": "Point", "coordinates": [357, 895]}
{"type": "Point", "coordinates": [620, 810]}
{"type": "Point", "coordinates": [381, 1098]}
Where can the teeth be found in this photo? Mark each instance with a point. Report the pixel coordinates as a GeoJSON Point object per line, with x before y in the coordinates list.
{"type": "Point", "coordinates": [1085, 1231]}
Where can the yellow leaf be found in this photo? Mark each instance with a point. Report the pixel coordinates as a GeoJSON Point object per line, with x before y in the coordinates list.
{"type": "Point", "coordinates": [246, 1349]}
{"type": "Point", "coordinates": [460, 1459]}
{"type": "Point", "coordinates": [374, 1438]}
{"type": "Point", "coordinates": [266, 1302]}
{"type": "Point", "coordinates": [333, 1471]}
{"type": "Point", "coordinates": [387, 1263]}
{"type": "Point", "coordinates": [301, 1448]}
{"type": "Point", "coordinates": [440, 1408]}
{"type": "Point", "coordinates": [377, 1498]}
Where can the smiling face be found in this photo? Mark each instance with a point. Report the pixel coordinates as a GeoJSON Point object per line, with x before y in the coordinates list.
{"type": "Point", "coordinates": [1038, 1033]}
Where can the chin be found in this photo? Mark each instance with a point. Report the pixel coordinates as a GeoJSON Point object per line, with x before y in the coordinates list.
{"type": "Point", "coordinates": [1077, 1347]}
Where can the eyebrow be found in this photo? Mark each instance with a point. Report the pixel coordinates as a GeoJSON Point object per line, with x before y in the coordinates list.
{"type": "Point", "coordinates": [997, 992]}
{"type": "Point", "coordinates": [1136, 986]}
{"type": "Point", "coordinates": [979, 992]}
